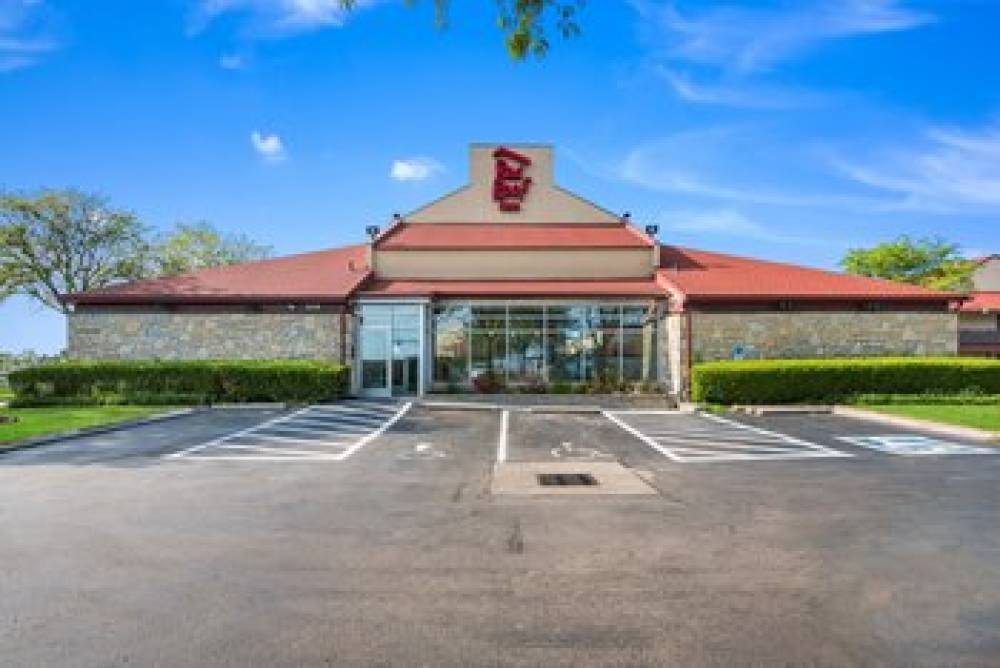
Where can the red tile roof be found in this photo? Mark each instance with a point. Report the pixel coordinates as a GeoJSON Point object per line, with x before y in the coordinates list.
{"type": "Point", "coordinates": [512, 288]}
{"type": "Point", "coordinates": [695, 275]}
{"type": "Point", "coordinates": [516, 236]}
{"type": "Point", "coordinates": [324, 276]}
{"type": "Point", "coordinates": [332, 276]}
{"type": "Point", "coordinates": [982, 301]}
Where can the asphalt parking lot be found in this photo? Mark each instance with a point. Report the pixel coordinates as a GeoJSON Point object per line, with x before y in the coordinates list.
{"type": "Point", "coordinates": [369, 534]}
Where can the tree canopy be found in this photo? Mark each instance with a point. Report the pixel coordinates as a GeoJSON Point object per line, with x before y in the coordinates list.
{"type": "Point", "coordinates": [63, 241]}
{"type": "Point", "coordinates": [194, 246]}
{"type": "Point", "coordinates": [930, 262]}
{"type": "Point", "coordinates": [66, 241]}
{"type": "Point", "coordinates": [525, 24]}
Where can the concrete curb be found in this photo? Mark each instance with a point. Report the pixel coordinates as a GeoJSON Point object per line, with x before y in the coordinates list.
{"type": "Point", "coordinates": [557, 409]}
{"type": "Point", "coordinates": [458, 406]}
{"type": "Point", "coordinates": [954, 431]}
{"type": "Point", "coordinates": [259, 405]}
{"type": "Point", "coordinates": [93, 431]}
{"type": "Point", "coordinates": [540, 409]}
{"type": "Point", "coordinates": [784, 409]}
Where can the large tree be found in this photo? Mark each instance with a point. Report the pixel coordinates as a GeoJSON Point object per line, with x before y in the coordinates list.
{"type": "Point", "coordinates": [190, 247]}
{"type": "Point", "coordinates": [931, 262]}
{"type": "Point", "coordinates": [62, 241]}
{"type": "Point", "coordinates": [66, 241]}
{"type": "Point", "coordinates": [525, 23]}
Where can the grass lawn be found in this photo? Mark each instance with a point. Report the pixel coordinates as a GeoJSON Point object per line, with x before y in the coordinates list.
{"type": "Point", "coordinates": [982, 417]}
{"type": "Point", "coordinates": [40, 421]}
{"type": "Point", "coordinates": [6, 395]}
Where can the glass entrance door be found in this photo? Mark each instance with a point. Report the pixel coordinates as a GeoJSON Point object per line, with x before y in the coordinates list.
{"type": "Point", "coordinates": [375, 371]}
{"type": "Point", "coordinates": [390, 343]}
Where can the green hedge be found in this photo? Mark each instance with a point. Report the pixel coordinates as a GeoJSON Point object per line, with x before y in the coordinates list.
{"type": "Point", "coordinates": [148, 382]}
{"type": "Point", "coordinates": [830, 380]}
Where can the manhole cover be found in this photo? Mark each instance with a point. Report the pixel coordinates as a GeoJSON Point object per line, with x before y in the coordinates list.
{"type": "Point", "coordinates": [566, 479]}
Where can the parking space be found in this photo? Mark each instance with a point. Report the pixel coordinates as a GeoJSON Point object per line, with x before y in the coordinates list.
{"type": "Point", "coordinates": [580, 438]}
{"type": "Point", "coordinates": [702, 437]}
{"type": "Point", "coordinates": [329, 433]}
{"type": "Point", "coordinates": [826, 560]}
{"type": "Point", "coordinates": [866, 438]}
{"type": "Point", "coordinates": [911, 445]}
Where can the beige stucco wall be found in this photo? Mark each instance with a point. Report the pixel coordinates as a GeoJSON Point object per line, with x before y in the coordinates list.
{"type": "Point", "coordinates": [205, 336]}
{"type": "Point", "coordinates": [841, 334]}
{"type": "Point", "coordinates": [512, 264]}
{"type": "Point", "coordinates": [545, 202]}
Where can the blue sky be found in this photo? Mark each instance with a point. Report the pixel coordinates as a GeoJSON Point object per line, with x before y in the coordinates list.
{"type": "Point", "coordinates": [785, 130]}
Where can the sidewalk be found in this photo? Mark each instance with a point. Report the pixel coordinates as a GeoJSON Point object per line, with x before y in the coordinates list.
{"type": "Point", "coordinates": [567, 402]}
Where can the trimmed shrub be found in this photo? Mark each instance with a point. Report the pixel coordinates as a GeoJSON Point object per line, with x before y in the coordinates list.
{"type": "Point", "coordinates": [488, 383]}
{"type": "Point", "coordinates": [831, 380]}
{"type": "Point", "coordinates": [150, 382]}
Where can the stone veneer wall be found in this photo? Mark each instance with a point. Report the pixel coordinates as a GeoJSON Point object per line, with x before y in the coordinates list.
{"type": "Point", "coordinates": [104, 335]}
{"type": "Point", "coordinates": [672, 350]}
{"type": "Point", "coordinates": [818, 334]}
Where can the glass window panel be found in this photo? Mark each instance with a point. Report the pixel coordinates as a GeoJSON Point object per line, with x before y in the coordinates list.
{"type": "Point", "coordinates": [406, 317]}
{"type": "Point", "coordinates": [488, 339]}
{"type": "Point", "coordinates": [526, 359]}
{"type": "Point", "coordinates": [451, 341]}
{"type": "Point", "coordinates": [566, 341]}
{"type": "Point", "coordinates": [638, 345]}
{"type": "Point", "coordinates": [379, 315]}
{"type": "Point", "coordinates": [374, 352]}
{"type": "Point", "coordinates": [606, 334]}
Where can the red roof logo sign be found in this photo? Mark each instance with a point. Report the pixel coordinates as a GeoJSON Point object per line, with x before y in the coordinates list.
{"type": "Point", "coordinates": [510, 185]}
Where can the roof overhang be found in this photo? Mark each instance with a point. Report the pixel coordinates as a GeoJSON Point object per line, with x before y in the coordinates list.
{"type": "Point", "coordinates": [395, 289]}
{"type": "Point", "coordinates": [133, 300]}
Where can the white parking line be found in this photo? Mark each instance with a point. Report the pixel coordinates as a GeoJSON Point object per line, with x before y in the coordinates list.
{"type": "Point", "coordinates": [774, 434]}
{"type": "Point", "coordinates": [701, 437]}
{"type": "Point", "coordinates": [277, 437]}
{"type": "Point", "coordinates": [313, 430]}
{"type": "Point", "coordinates": [375, 434]}
{"type": "Point", "coordinates": [502, 442]}
{"type": "Point", "coordinates": [341, 435]}
{"type": "Point", "coordinates": [264, 448]}
{"type": "Point", "coordinates": [641, 436]}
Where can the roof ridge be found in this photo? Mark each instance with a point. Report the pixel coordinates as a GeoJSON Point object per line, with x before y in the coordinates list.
{"type": "Point", "coordinates": [512, 225]}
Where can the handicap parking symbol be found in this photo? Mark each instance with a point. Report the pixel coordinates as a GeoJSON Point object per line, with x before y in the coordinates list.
{"type": "Point", "coordinates": [908, 444]}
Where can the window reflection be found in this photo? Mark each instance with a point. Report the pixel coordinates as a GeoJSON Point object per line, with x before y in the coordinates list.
{"type": "Point", "coordinates": [451, 341]}
{"type": "Point", "coordinates": [525, 343]}
{"type": "Point", "coordinates": [526, 361]}
{"type": "Point", "coordinates": [488, 333]}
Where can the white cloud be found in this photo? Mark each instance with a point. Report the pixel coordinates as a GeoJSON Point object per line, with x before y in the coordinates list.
{"type": "Point", "coordinates": [415, 169]}
{"type": "Point", "coordinates": [232, 61]}
{"type": "Point", "coordinates": [948, 170]}
{"type": "Point", "coordinates": [268, 146]}
{"type": "Point", "coordinates": [24, 34]}
{"type": "Point", "coordinates": [736, 95]}
{"type": "Point", "coordinates": [723, 222]}
{"type": "Point", "coordinates": [276, 18]}
{"type": "Point", "coordinates": [753, 39]}
{"type": "Point", "coordinates": [749, 164]}
{"type": "Point", "coordinates": [728, 44]}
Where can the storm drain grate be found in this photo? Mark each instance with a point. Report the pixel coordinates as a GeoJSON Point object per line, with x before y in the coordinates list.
{"type": "Point", "coordinates": [566, 479]}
